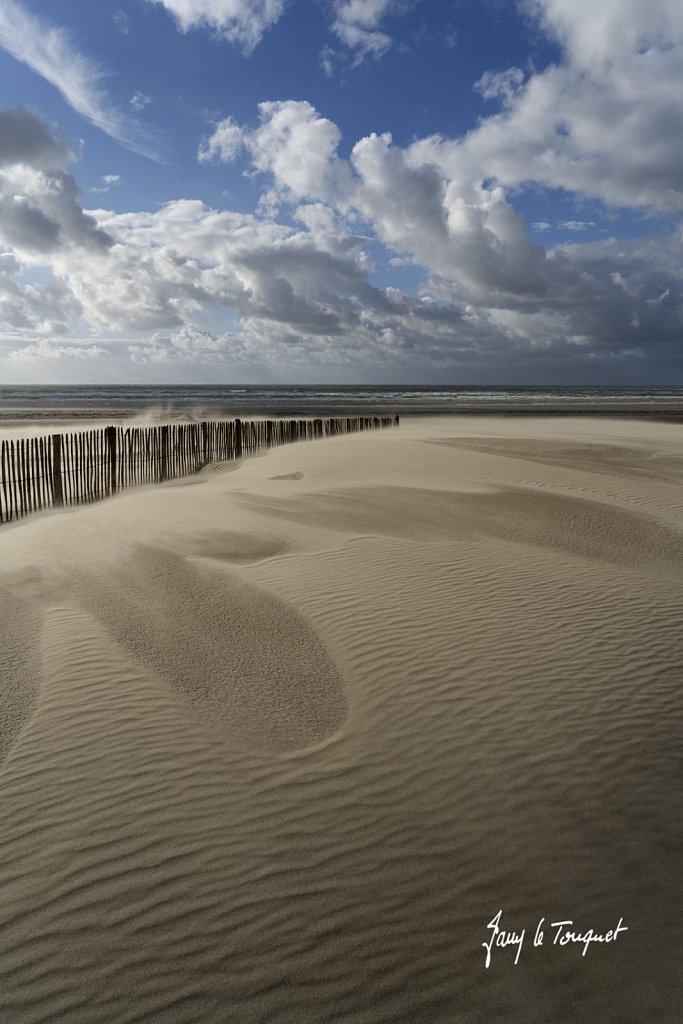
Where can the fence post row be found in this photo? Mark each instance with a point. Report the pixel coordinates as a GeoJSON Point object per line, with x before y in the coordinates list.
{"type": "Point", "coordinates": [71, 469]}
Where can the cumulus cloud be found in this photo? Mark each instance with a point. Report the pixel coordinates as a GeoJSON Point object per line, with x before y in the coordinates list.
{"type": "Point", "coordinates": [223, 145]}
{"type": "Point", "coordinates": [304, 297]}
{"type": "Point", "coordinates": [167, 266]}
{"type": "Point", "coordinates": [242, 22]}
{"type": "Point", "coordinates": [594, 35]}
{"type": "Point", "coordinates": [192, 345]}
{"type": "Point", "coordinates": [50, 52]}
{"type": "Point", "coordinates": [28, 310]}
{"type": "Point", "coordinates": [296, 282]}
{"type": "Point", "coordinates": [602, 123]}
{"type": "Point", "coordinates": [470, 236]}
{"type": "Point", "coordinates": [298, 146]}
{"type": "Point", "coordinates": [48, 351]}
{"type": "Point", "coordinates": [469, 239]}
{"type": "Point", "coordinates": [25, 139]}
{"type": "Point", "coordinates": [40, 212]}
{"type": "Point", "coordinates": [606, 121]}
{"type": "Point", "coordinates": [293, 142]}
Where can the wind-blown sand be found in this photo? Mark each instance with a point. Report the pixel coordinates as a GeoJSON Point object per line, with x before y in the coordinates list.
{"type": "Point", "coordinates": [278, 741]}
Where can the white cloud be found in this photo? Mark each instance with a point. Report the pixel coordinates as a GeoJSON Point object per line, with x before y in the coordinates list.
{"type": "Point", "coordinates": [596, 34]}
{"type": "Point", "coordinates": [189, 345]}
{"type": "Point", "coordinates": [660, 298]}
{"type": "Point", "coordinates": [300, 293]}
{"type": "Point", "coordinates": [121, 21]}
{"type": "Point", "coordinates": [27, 309]}
{"type": "Point", "coordinates": [576, 225]}
{"type": "Point", "coordinates": [50, 52]}
{"type": "Point", "coordinates": [298, 146]}
{"type": "Point", "coordinates": [472, 237]}
{"type": "Point", "coordinates": [305, 295]}
{"type": "Point", "coordinates": [620, 281]}
{"type": "Point", "coordinates": [242, 22]}
{"type": "Point", "coordinates": [470, 240]}
{"type": "Point", "coordinates": [107, 181]}
{"type": "Point", "coordinates": [139, 100]}
{"type": "Point", "coordinates": [40, 210]}
{"type": "Point", "coordinates": [606, 121]}
{"type": "Point", "coordinates": [501, 85]}
{"type": "Point", "coordinates": [223, 144]}
{"type": "Point", "coordinates": [356, 23]}
{"type": "Point", "coordinates": [47, 351]}
{"type": "Point", "coordinates": [326, 59]}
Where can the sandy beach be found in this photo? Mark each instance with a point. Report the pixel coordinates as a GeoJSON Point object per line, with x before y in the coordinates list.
{"type": "Point", "coordinates": [279, 741]}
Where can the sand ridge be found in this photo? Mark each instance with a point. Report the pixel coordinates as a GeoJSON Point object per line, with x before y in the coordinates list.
{"type": "Point", "coordinates": [259, 672]}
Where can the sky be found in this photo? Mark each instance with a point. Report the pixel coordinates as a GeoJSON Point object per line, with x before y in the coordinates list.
{"type": "Point", "coordinates": [341, 191]}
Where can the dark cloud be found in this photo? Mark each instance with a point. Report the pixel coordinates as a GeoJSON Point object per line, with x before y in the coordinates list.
{"type": "Point", "coordinates": [25, 139]}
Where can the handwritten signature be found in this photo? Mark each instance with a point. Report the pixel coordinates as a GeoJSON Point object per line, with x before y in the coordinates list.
{"type": "Point", "coordinates": [563, 935]}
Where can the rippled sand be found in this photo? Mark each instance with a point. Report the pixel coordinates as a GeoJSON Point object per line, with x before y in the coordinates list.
{"type": "Point", "coordinates": [279, 741]}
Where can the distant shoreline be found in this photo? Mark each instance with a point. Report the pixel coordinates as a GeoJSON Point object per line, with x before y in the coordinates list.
{"type": "Point", "coordinates": [16, 416]}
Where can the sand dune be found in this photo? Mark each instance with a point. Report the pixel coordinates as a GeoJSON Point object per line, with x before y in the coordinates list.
{"type": "Point", "coordinates": [277, 742]}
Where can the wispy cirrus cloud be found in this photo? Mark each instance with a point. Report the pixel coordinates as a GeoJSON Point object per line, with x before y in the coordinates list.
{"type": "Point", "coordinates": [577, 225]}
{"type": "Point", "coordinates": [50, 51]}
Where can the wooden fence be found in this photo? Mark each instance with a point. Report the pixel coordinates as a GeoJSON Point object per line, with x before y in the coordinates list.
{"type": "Point", "coordinates": [73, 469]}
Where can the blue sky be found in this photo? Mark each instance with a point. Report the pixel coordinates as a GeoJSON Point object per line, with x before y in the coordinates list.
{"type": "Point", "coordinates": [355, 190]}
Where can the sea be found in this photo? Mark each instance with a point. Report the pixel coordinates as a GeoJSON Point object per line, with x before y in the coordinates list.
{"type": "Point", "coordinates": [189, 402]}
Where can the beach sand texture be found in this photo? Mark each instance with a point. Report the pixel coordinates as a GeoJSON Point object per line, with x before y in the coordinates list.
{"type": "Point", "coordinates": [279, 740]}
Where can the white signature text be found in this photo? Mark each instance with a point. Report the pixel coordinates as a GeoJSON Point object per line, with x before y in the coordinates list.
{"type": "Point", "coordinates": [562, 933]}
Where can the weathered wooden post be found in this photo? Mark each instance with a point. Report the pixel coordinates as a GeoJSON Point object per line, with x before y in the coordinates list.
{"type": "Point", "coordinates": [164, 454]}
{"type": "Point", "coordinates": [110, 450]}
{"type": "Point", "coordinates": [205, 442]}
{"type": "Point", "coordinates": [57, 488]}
{"type": "Point", "coordinates": [3, 476]}
{"type": "Point", "coordinates": [238, 439]}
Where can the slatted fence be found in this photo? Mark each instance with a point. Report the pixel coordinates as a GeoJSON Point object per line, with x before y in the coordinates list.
{"type": "Point", "coordinates": [76, 468]}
